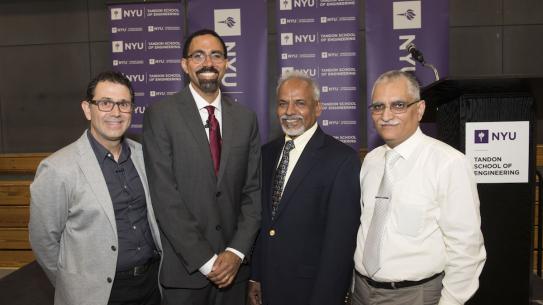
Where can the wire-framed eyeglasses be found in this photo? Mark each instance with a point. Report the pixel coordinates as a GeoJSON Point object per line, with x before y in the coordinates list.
{"type": "Point", "coordinates": [396, 107]}
{"type": "Point", "coordinates": [199, 57]}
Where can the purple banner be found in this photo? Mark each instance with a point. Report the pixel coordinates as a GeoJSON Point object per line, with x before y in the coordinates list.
{"type": "Point", "coordinates": [390, 27]}
{"type": "Point", "coordinates": [146, 44]}
{"type": "Point", "coordinates": [242, 24]}
{"type": "Point", "coordinates": [320, 38]}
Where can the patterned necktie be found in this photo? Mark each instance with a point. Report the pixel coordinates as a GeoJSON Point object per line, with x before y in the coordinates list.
{"type": "Point", "coordinates": [214, 138]}
{"type": "Point", "coordinates": [279, 178]}
{"type": "Point", "coordinates": [372, 247]}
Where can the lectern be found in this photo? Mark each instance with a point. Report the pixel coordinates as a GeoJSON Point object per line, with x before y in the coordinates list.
{"type": "Point", "coordinates": [506, 208]}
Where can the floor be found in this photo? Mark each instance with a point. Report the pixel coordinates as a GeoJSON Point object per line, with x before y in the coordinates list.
{"type": "Point", "coordinates": [12, 293]}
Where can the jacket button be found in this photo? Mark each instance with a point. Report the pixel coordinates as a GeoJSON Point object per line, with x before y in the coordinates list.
{"type": "Point", "coordinates": [272, 232]}
{"type": "Point", "coordinates": [109, 280]}
{"type": "Point", "coordinates": [218, 228]}
{"type": "Point", "coordinates": [113, 248]}
{"type": "Point", "coordinates": [217, 194]}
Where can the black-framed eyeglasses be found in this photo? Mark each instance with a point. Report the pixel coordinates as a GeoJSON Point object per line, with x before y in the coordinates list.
{"type": "Point", "coordinates": [107, 105]}
{"type": "Point", "coordinates": [396, 107]}
{"type": "Point", "coordinates": [199, 57]}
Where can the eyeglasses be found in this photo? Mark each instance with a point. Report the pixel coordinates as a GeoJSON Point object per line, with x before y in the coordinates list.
{"type": "Point", "coordinates": [395, 107]}
{"type": "Point", "coordinates": [199, 57]}
{"type": "Point", "coordinates": [107, 105]}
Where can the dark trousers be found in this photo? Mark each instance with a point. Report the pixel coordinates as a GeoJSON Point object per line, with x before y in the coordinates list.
{"type": "Point", "coordinates": [235, 294]}
{"type": "Point", "coordinates": [136, 290]}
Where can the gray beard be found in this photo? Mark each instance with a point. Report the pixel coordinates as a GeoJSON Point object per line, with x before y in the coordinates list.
{"type": "Point", "coordinates": [209, 86]}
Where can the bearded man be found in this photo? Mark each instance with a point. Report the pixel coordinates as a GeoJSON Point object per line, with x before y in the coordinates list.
{"type": "Point", "coordinates": [202, 153]}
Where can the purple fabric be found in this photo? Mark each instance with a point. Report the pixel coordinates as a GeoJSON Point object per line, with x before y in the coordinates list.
{"type": "Point", "coordinates": [146, 42]}
{"type": "Point", "coordinates": [390, 27]}
{"type": "Point", "coordinates": [242, 25]}
{"type": "Point", "coordinates": [321, 38]}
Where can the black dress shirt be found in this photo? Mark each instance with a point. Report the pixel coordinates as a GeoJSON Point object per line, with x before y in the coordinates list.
{"type": "Point", "coordinates": [136, 245]}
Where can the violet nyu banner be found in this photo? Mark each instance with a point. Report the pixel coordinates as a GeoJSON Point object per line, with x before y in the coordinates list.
{"type": "Point", "coordinates": [242, 25]}
{"type": "Point", "coordinates": [320, 38]}
{"type": "Point", "coordinates": [390, 27]}
{"type": "Point", "coordinates": [146, 44]}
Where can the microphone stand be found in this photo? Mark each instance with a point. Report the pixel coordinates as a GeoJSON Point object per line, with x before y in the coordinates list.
{"type": "Point", "coordinates": [436, 74]}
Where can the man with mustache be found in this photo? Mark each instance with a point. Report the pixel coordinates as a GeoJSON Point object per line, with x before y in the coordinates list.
{"type": "Point", "coordinates": [420, 241]}
{"type": "Point", "coordinates": [202, 153]}
{"type": "Point", "coordinates": [310, 206]}
{"type": "Point", "coordinates": [92, 227]}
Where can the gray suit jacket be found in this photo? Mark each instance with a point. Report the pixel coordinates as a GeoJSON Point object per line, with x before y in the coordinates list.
{"type": "Point", "coordinates": [72, 223]}
{"type": "Point", "coordinates": [201, 214]}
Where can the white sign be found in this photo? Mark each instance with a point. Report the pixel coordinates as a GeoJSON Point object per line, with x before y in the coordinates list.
{"type": "Point", "coordinates": [499, 151]}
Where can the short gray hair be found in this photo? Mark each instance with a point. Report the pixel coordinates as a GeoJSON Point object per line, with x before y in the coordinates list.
{"type": "Point", "coordinates": [413, 85]}
{"type": "Point", "coordinates": [297, 74]}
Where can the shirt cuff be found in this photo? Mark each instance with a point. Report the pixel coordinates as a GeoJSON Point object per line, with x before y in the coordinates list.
{"type": "Point", "coordinates": [236, 252]}
{"type": "Point", "coordinates": [448, 301]}
{"type": "Point", "coordinates": [206, 268]}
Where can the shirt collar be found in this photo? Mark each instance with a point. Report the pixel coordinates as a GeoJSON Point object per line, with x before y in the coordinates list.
{"type": "Point", "coordinates": [407, 147]}
{"type": "Point", "coordinates": [102, 153]}
{"type": "Point", "coordinates": [301, 141]}
{"type": "Point", "coordinates": [201, 103]}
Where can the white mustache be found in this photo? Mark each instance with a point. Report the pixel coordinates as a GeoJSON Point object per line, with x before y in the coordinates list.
{"type": "Point", "coordinates": [285, 117]}
{"type": "Point", "coordinates": [389, 123]}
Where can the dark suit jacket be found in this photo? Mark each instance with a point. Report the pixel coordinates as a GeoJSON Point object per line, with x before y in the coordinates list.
{"type": "Point", "coordinates": [200, 214]}
{"type": "Point", "coordinates": [309, 260]}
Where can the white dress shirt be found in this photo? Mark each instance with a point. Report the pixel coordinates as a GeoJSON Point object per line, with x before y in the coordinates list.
{"type": "Point", "coordinates": [299, 144]}
{"type": "Point", "coordinates": [201, 103]}
{"type": "Point", "coordinates": [433, 222]}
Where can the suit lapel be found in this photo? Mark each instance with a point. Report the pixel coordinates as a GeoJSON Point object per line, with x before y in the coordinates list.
{"type": "Point", "coordinates": [308, 159]}
{"type": "Point", "coordinates": [191, 116]}
{"type": "Point", "coordinates": [95, 178]}
{"type": "Point", "coordinates": [226, 135]}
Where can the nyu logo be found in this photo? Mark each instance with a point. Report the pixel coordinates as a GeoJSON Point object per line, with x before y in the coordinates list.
{"type": "Point", "coordinates": [116, 13]}
{"type": "Point", "coordinates": [118, 46]}
{"type": "Point", "coordinates": [285, 5]}
{"type": "Point", "coordinates": [287, 39]}
{"type": "Point", "coordinates": [406, 15]}
{"type": "Point", "coordinates": [119, 13]}
{"type": "Point", "coordinates": [409, 14]}
{"type": "Point", "coordinates": [310, 72]}
{"type": "Point", "coordinates": [135, 77]}
{"type": "Point", "coordinates": [483, 136]}
{"type": "Point", "coordinates": [228, 22]}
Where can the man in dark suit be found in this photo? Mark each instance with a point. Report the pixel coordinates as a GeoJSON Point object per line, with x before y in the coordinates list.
{"type": "Point", "coordinates": [202, 153]}
{"type": "Point", "coordinates": [310, 211]}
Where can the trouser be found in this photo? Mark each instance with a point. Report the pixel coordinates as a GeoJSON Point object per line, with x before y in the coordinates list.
{"type": "Point", "coordinates": [138, 289]}
{"type": "Point", "coordinates": [427, 293]}
{"type": "Point", "coordinates": [236, 294]}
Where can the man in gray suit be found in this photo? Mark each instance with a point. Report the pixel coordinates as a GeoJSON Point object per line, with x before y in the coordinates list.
{"type": "Point", "coordinates": [91, 226]}
{"type": "Point", "coordinates": [202, 153]}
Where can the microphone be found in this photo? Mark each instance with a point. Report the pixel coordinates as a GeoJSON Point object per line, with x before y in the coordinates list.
{"type": "Point", "coordinates": [207, 124]}
{"type": "Point", "coordinates": [416, 54]}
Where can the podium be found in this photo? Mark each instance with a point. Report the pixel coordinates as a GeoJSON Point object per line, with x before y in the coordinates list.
{"type": "Point", "coordinates": [506, 208]}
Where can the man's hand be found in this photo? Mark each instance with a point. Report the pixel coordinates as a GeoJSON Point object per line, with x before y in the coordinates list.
{"type": "Point", "coordinates": [224, 269]}
{"type": "Point", "coordinates": [254, 293]}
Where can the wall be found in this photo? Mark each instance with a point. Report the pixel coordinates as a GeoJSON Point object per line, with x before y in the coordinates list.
{"type": "Point", "coordinates": [50, 49]}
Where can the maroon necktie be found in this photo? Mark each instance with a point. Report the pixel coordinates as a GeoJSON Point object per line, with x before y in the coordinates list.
{"type": "Point", "coordinates": [214, 138]}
